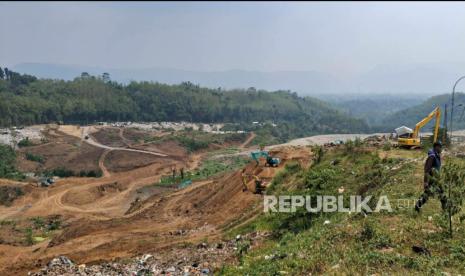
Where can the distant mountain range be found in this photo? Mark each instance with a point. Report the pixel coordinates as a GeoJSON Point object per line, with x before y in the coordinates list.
{"type": "Point", "coordinates": [421, 79]}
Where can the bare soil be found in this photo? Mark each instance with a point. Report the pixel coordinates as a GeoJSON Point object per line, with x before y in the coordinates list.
{"type": "Point", "coordinates": [123, 214]}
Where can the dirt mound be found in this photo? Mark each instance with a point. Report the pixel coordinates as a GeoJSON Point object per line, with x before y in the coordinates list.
{"type": "Point", "coordinates": [123, 213]}
{"type": "Point", "coordinates": [170, 147]}
{"type": "Point", "coordinates": [120, 161]}
{"type": "Point", "coordinates": [136, 136]}
{"type": "Point", "coordinates": [109, 137]}
{"type": "Point", "coordinates": [92, 194]}
{"type": "Point", "coordinates": [62, 151]}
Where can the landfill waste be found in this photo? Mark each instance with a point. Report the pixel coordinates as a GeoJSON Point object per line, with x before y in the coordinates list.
{"type": "Point", "coordinates": [201, 259]}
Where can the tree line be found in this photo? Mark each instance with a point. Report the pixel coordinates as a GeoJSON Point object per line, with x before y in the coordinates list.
{"type": "Point", "coordinates": [27, 100]}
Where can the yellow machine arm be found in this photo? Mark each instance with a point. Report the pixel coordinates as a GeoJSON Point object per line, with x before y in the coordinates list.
{"type": "Point", "coordinates": [436, 113]}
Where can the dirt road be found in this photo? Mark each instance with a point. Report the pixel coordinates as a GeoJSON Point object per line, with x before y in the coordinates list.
{"type": "Point", "coordinates": [89, 140]}
{"type": "Point", "coordinates": [323, 139]}
{"type": "Point", "coordinates": [249, 139]}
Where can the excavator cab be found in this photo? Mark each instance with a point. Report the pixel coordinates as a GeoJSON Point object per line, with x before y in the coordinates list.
{"type": "Point", "coordinates": [272, 161]}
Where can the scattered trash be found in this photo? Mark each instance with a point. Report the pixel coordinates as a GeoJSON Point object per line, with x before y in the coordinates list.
{"type": "Point", "coordinates": [202, 245]}
{"type": "Point", "coordinates": [326, 222]}
{"type": "Point", "coordinates": [60, 261]}
{"type": "Point", "coordinates": [144, 258]}
{"type": "Point", "coordinates": [38, 239]}
{"type": "Point", "coordinates": [201, 259]}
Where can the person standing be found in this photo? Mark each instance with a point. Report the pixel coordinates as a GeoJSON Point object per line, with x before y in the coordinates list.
{"type": "Point", "coordinates": [430, 183]}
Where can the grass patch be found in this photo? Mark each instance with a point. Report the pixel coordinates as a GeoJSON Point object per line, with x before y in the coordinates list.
{"type": "Point", "coordinates": [353, 243]}
{"type": "Point", "coordinates": [34, 157]}
{"type": "Point", "coordinates": [209, 168]}
{"type": "Point", "coordinates": [25, 143]}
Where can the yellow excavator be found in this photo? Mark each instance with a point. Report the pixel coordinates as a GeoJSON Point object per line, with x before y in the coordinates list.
{"type": "Point", "coordinates": [412, 140]}
{"type": "Point", "coordinates": [260, 186]}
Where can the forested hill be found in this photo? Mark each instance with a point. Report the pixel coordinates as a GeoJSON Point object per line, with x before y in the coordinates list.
{"type": "Point", "coordinates": [26, 100]}
{"type": "Point", "coordinates": [410, 116]}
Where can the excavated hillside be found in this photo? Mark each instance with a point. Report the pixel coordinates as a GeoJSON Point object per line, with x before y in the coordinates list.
{"type": "Point", "coordinates": [112, 217]}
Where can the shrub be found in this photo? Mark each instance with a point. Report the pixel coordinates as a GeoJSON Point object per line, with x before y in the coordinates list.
{"type": "Point", "coordinates": [38, 222]}
{"type": "Point", "coordinates": [192, 144]}
{"type": "Point", "coordinates": [35, 158]}
{"type": "Point", "coordinates": [318, 154]}
{"type": "Point", "coordinates": [387, 146]}
{"type": "Point", "coordinates": [29, 238]}
{"type": "Point", "coordinates": [7, 163]}
{"type": "Point", "coordinates": [25, 143]}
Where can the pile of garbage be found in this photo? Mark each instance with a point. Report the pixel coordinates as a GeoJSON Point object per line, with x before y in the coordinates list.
{"type": "Point", "coordinates": [376, 140]}
{"type": "Point", "coordinates": [200, 259]}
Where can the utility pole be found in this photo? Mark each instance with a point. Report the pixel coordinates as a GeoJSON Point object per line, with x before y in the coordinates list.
{"type": "Point", "coordinates": [444, 135]}
{"type": "Point", "coordinates": [452, 107]}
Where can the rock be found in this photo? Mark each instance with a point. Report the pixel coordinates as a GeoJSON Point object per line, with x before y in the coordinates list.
{"type": "Point", "coordinates": [171, 269]}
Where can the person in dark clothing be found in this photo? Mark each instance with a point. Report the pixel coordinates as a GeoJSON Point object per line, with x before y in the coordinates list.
{"type": "Point", "coordinates": [430, 183]}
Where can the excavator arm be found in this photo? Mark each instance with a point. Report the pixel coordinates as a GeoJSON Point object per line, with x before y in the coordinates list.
{"type": "Point", "coordinates": [436, 113]}
{"type": "Point", "coordinates": [414, 140]}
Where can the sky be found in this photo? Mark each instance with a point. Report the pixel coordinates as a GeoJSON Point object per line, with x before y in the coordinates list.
{"type": "Point", "coordinates": [341, 38]}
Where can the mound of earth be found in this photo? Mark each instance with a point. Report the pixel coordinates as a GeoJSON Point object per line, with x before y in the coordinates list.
{"type": "Point", "coordinates": [110, 137]}
{"type": "Point", "coordinates": [92, 194]}
{"type": "Point", "coordinates": [120, 161]}
{"type": "Point", "coordinates": [169, 147]}
{"type": "Point", "coordinates": [137, 136]}
{"type": "Point", "coordinates": [62, 151]}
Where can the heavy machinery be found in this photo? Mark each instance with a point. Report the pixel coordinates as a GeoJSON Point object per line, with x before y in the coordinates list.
{"type": "Point", "coordinates": [270, 161]}
{"type": "Point", "coordinates": [260, 186]}
{"type": "Point", "coordinates": [412, 139]}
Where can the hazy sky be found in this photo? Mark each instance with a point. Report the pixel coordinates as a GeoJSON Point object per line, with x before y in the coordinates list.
{"type": "Point", "coordinates": [339, 37]}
